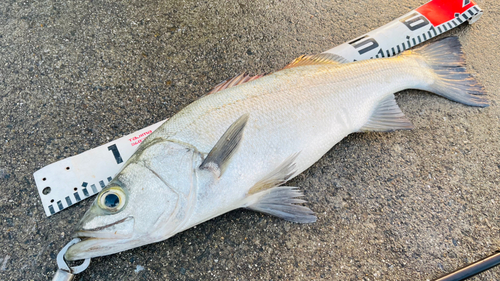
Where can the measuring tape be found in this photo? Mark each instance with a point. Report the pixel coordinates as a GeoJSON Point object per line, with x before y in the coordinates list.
{"type": "Point", "coordinates": [413, 28]}
{"type": "Point", "coordinates": [76, 178]}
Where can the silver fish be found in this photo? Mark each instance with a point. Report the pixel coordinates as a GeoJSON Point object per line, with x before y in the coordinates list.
{"type": "Point", "coordinates": [237, 146]}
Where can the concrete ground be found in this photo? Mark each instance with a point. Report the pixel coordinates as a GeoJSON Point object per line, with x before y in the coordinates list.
{"type": "Point", "coordinates": [407, 205]}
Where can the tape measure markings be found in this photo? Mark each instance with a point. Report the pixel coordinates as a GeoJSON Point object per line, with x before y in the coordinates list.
{"type": "Point", "coordinates": [116, 153]}
{"type": "Point", "coordinates": [84, 190]}
{"type": "Point", "coordinates": [418, 39]}
{"type": "Point", "coordinates": [51, 209]}
{"type": "Point", "coordinates": [94, 189]}
{"type": "Point", "coordinates": [77, 196]}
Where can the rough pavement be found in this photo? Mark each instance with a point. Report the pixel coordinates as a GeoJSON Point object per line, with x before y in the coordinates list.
{"type": "Point", "coordinates": [407, 205]}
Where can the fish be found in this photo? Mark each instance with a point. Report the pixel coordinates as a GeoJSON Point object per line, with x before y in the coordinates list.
{"type": "Point", "coordinates": [237, 146]}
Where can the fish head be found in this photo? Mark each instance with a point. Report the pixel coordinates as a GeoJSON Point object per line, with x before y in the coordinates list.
{"type": "Point", "coordinates": [150, 200]}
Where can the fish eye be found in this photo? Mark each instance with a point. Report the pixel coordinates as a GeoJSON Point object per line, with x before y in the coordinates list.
{"type": "Point", "coordinates": [112, 199]}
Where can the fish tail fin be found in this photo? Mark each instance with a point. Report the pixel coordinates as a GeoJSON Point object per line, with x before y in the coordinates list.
{"type": "Point", "coordinates": [452, 80]}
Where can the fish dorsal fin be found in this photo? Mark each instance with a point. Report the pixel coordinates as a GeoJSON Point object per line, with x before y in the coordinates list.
{"type": "Point", "coordinates": [237, 80]}
{"type": "Point", "coordinates": [280, 202]}
{"type": "Point", "coordinates": [277, 177]}
{"type": "Point", "coordinates": [324, 58]}
{"type": "Point", "coordinates": [387, 117]}
{"type": "Point", "coordinates": [226, 146]}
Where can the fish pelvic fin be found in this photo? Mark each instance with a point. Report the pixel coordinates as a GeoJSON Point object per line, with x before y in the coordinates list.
{"type": "Point", "coordinates": [447, 60]}
{"type": "Point", "coordinates": [218, 158]}
{"type": "Point", "coordinates": [387, 117]}
{"type": "Point", "coordinates": [324, 58]}
{"type": "Point", "coordinates": [277, 177]}
{"type": "Point", "coordinates": [280, 202]}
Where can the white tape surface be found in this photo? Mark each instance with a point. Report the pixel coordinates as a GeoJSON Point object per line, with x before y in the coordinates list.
{"type": "Point", "coordinates": [73, 179]}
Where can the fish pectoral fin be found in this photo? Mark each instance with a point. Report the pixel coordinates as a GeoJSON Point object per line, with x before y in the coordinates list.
{"type": "Point", "coordinates": [226, 146]}
{"type": "Point", "coordinates": [387, 117]}
{"type": "Point", "coordinates": [280, 202]}
{"type": "Point", "coordinates": [324, 58]}
{"type": "Point", "coordinates": [233, 82]}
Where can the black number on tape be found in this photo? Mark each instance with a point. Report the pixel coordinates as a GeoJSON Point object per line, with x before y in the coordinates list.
{"type": "Point", "coordinates": [414, 21]}
{"type": "Point", "coordinates": [116, 153]}
{"type": "Point", "coordinates": [365, 43]}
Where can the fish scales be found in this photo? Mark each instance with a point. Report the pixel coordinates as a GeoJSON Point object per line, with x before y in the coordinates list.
{"type": "Point", "coordinates": [235, 148]}
{"type": "Point", "coordinates": [311, 107]}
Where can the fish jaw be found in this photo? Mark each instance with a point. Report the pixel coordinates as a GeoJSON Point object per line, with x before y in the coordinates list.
{"type": "Point", "coordinates": [102, 241]}
{"type": "Point", "coordinates": [96, 244]}
{"type": "Point", "coordinates": [96, 247]}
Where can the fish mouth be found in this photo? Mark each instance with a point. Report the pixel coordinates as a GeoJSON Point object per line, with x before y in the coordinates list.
{"type": "Point", "coordinates": [95, 247]}
{"type": "Point", "coordinates": [102, 241]}
{"type": "Point", "coordinates": [120, 229]}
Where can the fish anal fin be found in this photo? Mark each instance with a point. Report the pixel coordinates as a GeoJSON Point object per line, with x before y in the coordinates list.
{"type": "Point", "coordinates": [281, 202]}
{"type": "Point", "coordinates": [324, 58]}
{"type": "Point", "coordinates": [277, 177]}
{"type": "Point", "coordinates": [235, 81]}
{"type": "Point", "coordinates": [387, 117]}
{"type": "Point", "coordinates": [218, 158]}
